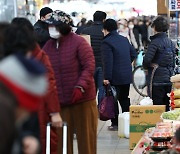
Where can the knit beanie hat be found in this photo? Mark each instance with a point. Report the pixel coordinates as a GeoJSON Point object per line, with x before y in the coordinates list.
{"type": "Point", "coordinates": [44, 11]}
{"type": "Point", "coordinates": [26, 79]}
{"type": "Point", "coordinates": [59, 17]}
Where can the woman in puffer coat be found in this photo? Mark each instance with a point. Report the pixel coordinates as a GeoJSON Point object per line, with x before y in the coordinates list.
{"type": "Point", "coordinates": [73, 63]}
{"type": "Point", "coordinates": [161, 53]}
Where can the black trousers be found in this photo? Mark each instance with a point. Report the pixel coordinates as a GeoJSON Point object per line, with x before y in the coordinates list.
{"type": "Point", "coordinates": [159, 95]}
{"type": "Point", "coordinates": [123, 98]}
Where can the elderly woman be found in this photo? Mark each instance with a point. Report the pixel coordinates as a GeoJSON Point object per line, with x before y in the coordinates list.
{"type": "Point", "coordinates": [118, 54]}
{"type": "Point", "coordinates": [160, 53]}
{"type": "Point", "coordinates": [73, 63]}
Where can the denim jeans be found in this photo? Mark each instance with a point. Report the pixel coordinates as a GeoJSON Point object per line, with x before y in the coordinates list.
{"type": "Point", "coordinates": [98, 77]}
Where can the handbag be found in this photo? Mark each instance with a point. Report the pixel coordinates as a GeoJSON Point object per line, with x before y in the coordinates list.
{"type": "Point", "coordinates": [106, 106]}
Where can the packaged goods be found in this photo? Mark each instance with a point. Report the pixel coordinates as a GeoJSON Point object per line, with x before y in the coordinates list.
{"type": "Point", "coordinates": [142, 118]}
{"type": "Point", "coordinates": [177, 103]}
{"type": "Point", "coordinates": [175, 78]}
{"type": "Point", "coordinates": [146, 101]}
{"type": "Point", "coordinates": [176, 93]}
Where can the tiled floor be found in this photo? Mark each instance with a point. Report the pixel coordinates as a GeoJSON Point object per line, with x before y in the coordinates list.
{"type": "Point", "coordinates": [108, 142]}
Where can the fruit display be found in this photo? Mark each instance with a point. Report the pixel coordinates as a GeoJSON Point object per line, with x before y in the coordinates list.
{"type": "Point", "coordinates": [159, 146]}
{"type": "Point", "coordinates": [161, 136]}
{"type": "Point", "coordinates": [172, 115]}
{"type": "Point", "coordinates": [175, 93]}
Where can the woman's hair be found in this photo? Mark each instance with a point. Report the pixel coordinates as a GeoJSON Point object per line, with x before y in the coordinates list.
{"type": "Point", "coordinates": [160, 24]}
{"type": "Point", "coordinates": [23, 22]}
{"type": "Point", "coordinates": [18, 39]}
{"type": "Point", "coordinates": [3, 27]}
{"type": "Point", "coordinates": [64, 29]}
{"type": "Point", "coordinates": [110, 25]}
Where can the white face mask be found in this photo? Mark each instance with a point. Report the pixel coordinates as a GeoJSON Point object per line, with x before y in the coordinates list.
{"type": "Point", "coordinates": [131, 26]}
{"type": "Point", "coordinates": [54, 33]}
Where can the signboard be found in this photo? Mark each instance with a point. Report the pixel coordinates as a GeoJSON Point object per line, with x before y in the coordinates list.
{"type": "Point", "coordinates": [174, 5]}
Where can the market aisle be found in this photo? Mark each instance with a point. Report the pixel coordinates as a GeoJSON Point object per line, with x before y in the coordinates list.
{"type": "Point", "coordinates": [108, 141]}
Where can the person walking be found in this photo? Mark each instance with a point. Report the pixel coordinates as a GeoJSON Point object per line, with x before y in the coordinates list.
{"type": "Point", "coordinates": [159, 59]}
{"type": "Point", "coordinates": [96, 35]}
{"type": "Point", "coordinates": [81, 25]}
{"type": "Point", "coordinates": [73, 63]}
{"type": "Point", "coordinates": [136, 31]}
{"type": "Point", "coordinates": [23, 83]}
{"type": "Point", "coordinates": [118, 54]}
{"type": "Point", "coordinates": [50, 108]}
{"type": "Point", "coordinates": [41, 28]}
{"type": "Point", "coordinates": [132, 38]}
{"type": "Point", "coordinates": [123, 28]}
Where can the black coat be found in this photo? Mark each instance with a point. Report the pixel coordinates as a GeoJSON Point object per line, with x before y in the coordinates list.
{"type": "Point", "coordinates": [41, 30]}
{"type": "Point", "coordinates": [136, 31]}
{"type": "Point", "coordinates": [118, 55]}
{"type": "Point", "coordinates": [80, 29]}
{"type": "Point", "coordinates": [96, 34]}
{"type": "Point", "coordinates": [160, 51]}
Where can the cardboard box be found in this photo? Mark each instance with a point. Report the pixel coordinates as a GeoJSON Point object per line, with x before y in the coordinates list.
{"type": "Point", "coordinates": [142, 118]}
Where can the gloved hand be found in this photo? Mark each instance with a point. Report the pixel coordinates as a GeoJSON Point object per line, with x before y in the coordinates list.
{"type": "Point", "coordinates": [77, 94]}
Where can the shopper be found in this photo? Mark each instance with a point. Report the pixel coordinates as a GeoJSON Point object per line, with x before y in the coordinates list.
{"type": "Point", "coordinates": [41, 28]}
{"type": "Point", "coordinates": [123, 28]}
{"type": "Point", "coordinates": [131, 35]}
{"type": "Point", "coordinates": [144, 32]}
{"type": "Point", "coordinates": [73, 63]}
{"type": "Point", "coordinates": [96, 35]}
{"type": "Point", "coordinates": [50, 108]}
{"type": "Point", "coordinates": [136, 31]}
{"type": "Point", "coordinates": [161, 53]}
{"type": "Point", "coordinates": [81, 25]}
{"type": "Point", "coordinates": [22, 84]}
{"type": "Point", "coordinates": [118, 54]}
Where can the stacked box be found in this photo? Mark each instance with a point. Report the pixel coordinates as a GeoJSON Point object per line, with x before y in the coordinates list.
{"type": "Point", "coordinates": [142, 118]}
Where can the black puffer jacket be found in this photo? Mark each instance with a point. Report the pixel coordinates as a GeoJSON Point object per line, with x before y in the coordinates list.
{"type": "Point", "coordinates": [160, 51]}
{"type": "Point", "coordinates": [41, 30]}
{"type": "Point", "coordinates": [96, 34]}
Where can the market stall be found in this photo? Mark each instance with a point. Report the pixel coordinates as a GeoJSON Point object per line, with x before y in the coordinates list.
{"type": "Point", "coordinates": [161, 137]}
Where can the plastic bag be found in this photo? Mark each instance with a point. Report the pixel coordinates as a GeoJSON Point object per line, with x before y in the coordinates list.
{"type": "Point", "coordinates": [146, 101]}
{"type": "Point", "coordinates": [139, 59]}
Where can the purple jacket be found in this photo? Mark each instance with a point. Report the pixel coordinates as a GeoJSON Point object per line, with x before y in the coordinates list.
{"type": "Point", "coordinates": [73, 63]}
